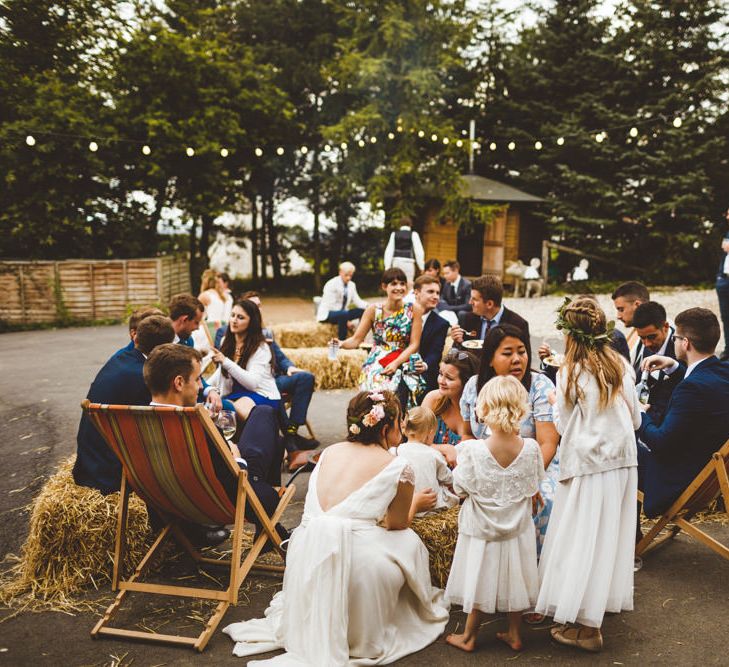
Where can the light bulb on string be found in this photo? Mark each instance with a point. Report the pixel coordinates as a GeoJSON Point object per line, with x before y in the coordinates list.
{"type": "Point", "coordinates": [304, 150]}
{"type": "Point", "coordinates": [476, 146]}
{"type": "Point", "coordinates": [361, 143]}
{"type": "Point", "coordinates": [146, 150]}
{"type": "Point", "coordinates": [492, 146]}
{"type": "Point", "coordinates": [258, 152]}
{"type": "Point", "coordinates": [459, 143]}
{"type": "Point", "coordinates": [224, 152]}
{"type": "Point", "coordinates": [677, 122]}
{"type": "Point", "coordinates": [421, 134]}
{"type": "Point", "coordinates": [399, 128]}
{"type": "Point", "coordinates": [190, 151]}
{"type": "Point", "coordinates": [30, 140]}
{"type": "Point", "coordinates": [446, 141]}
{"type": "Point", "coordinates": [599, 137]}
{"type": "Point", "coordinates": [511, 146]}
{"type": "Point", "coordinates": [343, 145]}
{"type": "Point", "coordinates": [327, 147]}
{"type": "Point", "coordinates": [560, 141]}
{"type": "Point", "coordinates": [373, 140]}
{"type": "Point", "coordinates": [280, 150]}
{"type": "Point", "coordinates": [538, 145]}
{"type": "Point", "coordinates": [93, 146]}
{"type": "Point", "coordinates": [390, 136]}
{"type": "Point", "coordinates": [633, 132]}
{"type": "Point", "coordinates": [434, 137]}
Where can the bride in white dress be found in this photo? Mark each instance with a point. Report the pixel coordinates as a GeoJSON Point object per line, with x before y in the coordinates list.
{"type": "Point", "coordinates": [357, 587]}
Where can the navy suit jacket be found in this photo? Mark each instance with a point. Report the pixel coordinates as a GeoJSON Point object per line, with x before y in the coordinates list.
{"type": "Point", "coordinates": [432, 341]}
{"type": "Point", "coordinates": [460, 301]}
{"type": "Point", "coordinates": [472, 322]}
{"type": "Point", "coordinates": [696, 425]}
{"type": "Point", "coordinates": [119, 382]}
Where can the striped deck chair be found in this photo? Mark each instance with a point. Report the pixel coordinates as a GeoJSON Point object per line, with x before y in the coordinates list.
{"type": "Point", "coordinates": [708, 485]}
{"type": "Point", "coordinates": [166, 461]}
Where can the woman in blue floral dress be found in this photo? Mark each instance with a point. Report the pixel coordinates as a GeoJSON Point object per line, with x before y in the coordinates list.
{"type": "Point", "coordinates": [396, 328]}
{"type": "Point", "coordinates": [505, 353]}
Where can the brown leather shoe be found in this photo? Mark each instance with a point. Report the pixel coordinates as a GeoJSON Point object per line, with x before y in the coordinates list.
{"type": "Point", "coordinates": [297, 459]}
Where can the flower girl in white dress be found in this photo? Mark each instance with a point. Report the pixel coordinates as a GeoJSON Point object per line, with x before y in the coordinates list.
{"type": "Point", "coordinates": [495, 563]}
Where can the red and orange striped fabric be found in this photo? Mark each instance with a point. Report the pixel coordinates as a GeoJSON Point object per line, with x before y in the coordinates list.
{"type": "Point", "coordinates": [165, 455]}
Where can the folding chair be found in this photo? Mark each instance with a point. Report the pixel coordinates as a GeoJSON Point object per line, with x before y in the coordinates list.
{"type": "Point", "coordinates": [708, 485]}
{"type": "Point", "coordinates": [286, 398]}
{"type": "Point", "coordinates": [166, 461]}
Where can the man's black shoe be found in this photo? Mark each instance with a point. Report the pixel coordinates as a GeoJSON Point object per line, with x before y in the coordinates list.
{"type": "Point", "coordinates": [305, 443]}
{"type": "Point", "coordinates": [208, 537]}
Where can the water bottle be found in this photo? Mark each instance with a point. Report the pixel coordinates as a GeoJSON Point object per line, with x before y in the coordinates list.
{"type": "Point", "coordinates": [642, 388]}
{"type": "Point", "coordinates": [333, 349]}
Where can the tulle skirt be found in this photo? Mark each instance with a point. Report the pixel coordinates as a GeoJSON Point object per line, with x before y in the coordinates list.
{"type": "Point", "coordinates": [586, 567]}
{"type": "Point", "coordinates": [494, 576]}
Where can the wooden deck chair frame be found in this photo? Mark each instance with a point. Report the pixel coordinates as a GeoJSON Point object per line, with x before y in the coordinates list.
{"type": "Point", "coordinates": [287, 403]}
{"type": "Point", "coordinates": [237, 570]}
{"type": "Point", "coordinates": [709, 484]}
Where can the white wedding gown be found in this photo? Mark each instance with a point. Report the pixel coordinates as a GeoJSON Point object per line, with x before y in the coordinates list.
{"type": "Point", "coordinates": [353, 593]}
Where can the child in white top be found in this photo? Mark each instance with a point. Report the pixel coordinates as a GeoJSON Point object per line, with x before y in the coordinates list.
{"type": "Point", "coordinates": [495, 563]}
{"type": "Point", "coordinates": [431, 469]}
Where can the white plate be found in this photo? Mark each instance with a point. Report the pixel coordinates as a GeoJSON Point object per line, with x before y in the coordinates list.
{"type": "Point", "coordinates": [473, 344]}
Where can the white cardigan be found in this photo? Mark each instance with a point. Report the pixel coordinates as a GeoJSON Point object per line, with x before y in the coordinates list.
{"type": "Point", "coordinates": [597, 439]}
{"type": "Point", "coordinates": [256, 376]}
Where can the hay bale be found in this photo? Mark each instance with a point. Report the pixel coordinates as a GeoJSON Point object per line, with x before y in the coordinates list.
{"type": "Point", "coordinates": [70, 545]}
{"type": "Point", "coordinates": [304, 333]}
{"type": "Point", "coordinates": [439, 532]}
{"type": "Point", "coordinates": [340, 374]}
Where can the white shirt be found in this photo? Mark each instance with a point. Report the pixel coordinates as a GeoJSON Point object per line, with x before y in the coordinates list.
{"type": "Point", "coordinates": [418, 251]}
{"type": "Point", "coordinates": [431, 471]}
{"type": "Point", "coordinates": [726, 264]}
{"type": "Point", "coordinates": [333, 295]}
{"type": "Point", "coordinates": [256, 376]}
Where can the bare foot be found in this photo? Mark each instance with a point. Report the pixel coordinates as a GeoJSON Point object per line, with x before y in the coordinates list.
{"type": "Point", "coordinates": [513, 641]}
{"type": "Point", "coordinates": [462, 642]}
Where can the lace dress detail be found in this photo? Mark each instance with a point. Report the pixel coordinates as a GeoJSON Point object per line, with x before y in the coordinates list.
{"type": "Point", "coordinates": [407, 475]}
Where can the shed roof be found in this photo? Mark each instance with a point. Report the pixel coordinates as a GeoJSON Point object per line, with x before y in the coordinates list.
{"type": "Point", "coordinates": [486, 189]}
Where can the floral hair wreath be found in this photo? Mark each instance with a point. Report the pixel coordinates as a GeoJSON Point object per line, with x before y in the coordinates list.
{"type": "Point", "coordinates": [373, 417]}
{"type": "Point", "coordinates": [591, 340]}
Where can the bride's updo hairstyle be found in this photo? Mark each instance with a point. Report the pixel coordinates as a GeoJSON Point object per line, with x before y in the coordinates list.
{"type": "Point", "coordinates": [368, 412]}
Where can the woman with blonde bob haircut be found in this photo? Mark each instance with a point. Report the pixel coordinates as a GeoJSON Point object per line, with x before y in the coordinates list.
{"type": "Point", "coordinates": [586, 566]}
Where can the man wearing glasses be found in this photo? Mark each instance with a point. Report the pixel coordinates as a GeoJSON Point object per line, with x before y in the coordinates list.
{"type": "Point", "coordinates": [655, 336]}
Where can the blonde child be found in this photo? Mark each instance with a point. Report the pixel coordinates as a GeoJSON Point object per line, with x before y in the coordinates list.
{"type": "Point", "coordinates": [431, 469]}
{"type": "Point", "coordinates": [495, 563]}
{"type": "Point", "coordinates": [586, 566]}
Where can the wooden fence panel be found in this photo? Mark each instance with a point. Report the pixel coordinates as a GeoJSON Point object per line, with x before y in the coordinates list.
{"type": "Point", "coordinates": [37, 281]}
{"type": "Point", "coordinates": [11, 304]}
{"type": "Point", "coordinates": [142, 281]}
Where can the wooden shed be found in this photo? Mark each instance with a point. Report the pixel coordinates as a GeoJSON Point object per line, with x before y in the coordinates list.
{"type": "Point", "coordinates": [513, 234]}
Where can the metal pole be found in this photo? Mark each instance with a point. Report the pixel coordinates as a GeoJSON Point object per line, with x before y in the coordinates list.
{"type": "Point", "coordinates": [472, 138]}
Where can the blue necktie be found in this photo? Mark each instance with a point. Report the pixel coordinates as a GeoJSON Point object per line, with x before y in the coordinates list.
{"type": "Point", "coordinates": [344, 297]}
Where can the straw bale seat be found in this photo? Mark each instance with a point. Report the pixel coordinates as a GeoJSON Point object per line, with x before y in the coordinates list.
{"type": "Point", "coordinates": [303, 333]}
{"type": "Point", "coordinates": [340, 374]}
{"type": "Point", "coordinates": [439, 533]}
{"type": "Point", "coordinates": [70, 544]}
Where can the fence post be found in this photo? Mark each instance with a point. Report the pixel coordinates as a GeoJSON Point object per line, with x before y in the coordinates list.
{"type": "Point", "coordinates": [21, 276]}
{"type": "Point", "coordinates": [92, 290]}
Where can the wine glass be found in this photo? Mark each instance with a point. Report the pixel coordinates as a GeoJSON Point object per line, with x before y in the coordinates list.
{"type": "Point", "coordinates": [227, 424]}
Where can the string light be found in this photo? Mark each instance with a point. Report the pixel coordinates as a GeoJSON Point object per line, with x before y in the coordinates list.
{"type": "Point", "coordinates": [93, 146]}
{"type": "Point", "coordinates": [190, 151]}
{"type": "Point", "coordinates": [373, 140]}
{"type": "Point", "coordinates": [361, 143]}
{"type": "Point", "coordinates": [30, 140]}
{"type": "Point", "coordinates": [538, 145]}
{"type": "Point", "coordinates": [677, 122]}
{"type": "Point", "coordinates": [599, 137]}
{"type": "Point", "coordinates": [258, 152]}
{"type": "Point", "coordinates": [304, 150]}
{"type": "Point", "coordinates": [399, 128]}
{"type": "Point", "coordinates": [224, 152]}
{"type": "Point", "coordinates": [390, 136]}
{"type": "Point", "coordinates": [633, 132]}
{"type": "Point", "coordinates": [421, 134]}
{"type": "Point", "coordinates": [476, 146]}
{"type": "Point", "coordinates": [327, 147]}
{"type": "Point", "coordinates": [459, 143]}
{"type": "Point", "coordinates": [492, 146]}
{"type": "Point", "coordinates": [343, 145]}
{"type": "Point", "coordinates": [511, 146]}
{"type": "Point", "coordinates": [280, 150]}
{"type": "Point", "coordinates": [446, 141]}
{"type": "Point", "coordinates": [434, 137]}
{"type": "Point", "coordinates": [146, 150]}
{"type": "Point", "coordinates": [560, 141]}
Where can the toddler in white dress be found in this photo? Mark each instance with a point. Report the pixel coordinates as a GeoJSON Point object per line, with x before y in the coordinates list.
{"type": "Point", "coordinates": [495, 563]}
{"type": "Point", "coordinates": [431, 470]}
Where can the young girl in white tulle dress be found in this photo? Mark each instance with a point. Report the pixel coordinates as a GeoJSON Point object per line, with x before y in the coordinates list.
{"type": "Point", "coordinates": [495, 562]}
{"type": "Point", "coordinates": [586, 566]}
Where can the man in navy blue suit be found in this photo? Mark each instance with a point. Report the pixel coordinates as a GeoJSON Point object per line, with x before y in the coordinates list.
{"type": "Point", "coordinates": [696, 422]}
{"type": "Point", "coordinates": [435, 330]}
{"type": "Point", "coordinates": [119, 382]}
{"type": "Point", "coordinates": [722, 288]}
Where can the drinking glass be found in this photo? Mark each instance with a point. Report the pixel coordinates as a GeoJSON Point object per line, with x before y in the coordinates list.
{"type": "Point", "coordinates": [226, 422]}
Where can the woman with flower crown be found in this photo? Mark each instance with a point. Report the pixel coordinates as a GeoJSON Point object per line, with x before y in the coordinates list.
{"type": "Point", "coordinates": [357, 585]}
{"type": "Point", "coordinates": [586, 566]}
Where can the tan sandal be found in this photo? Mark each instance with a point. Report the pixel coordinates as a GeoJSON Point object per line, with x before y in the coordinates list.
{"type": "Point", "coordinates": [570, 636]}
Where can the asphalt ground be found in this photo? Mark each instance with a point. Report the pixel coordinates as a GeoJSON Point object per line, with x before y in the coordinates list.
{"type": "Point", "coordinates": [681, 594]}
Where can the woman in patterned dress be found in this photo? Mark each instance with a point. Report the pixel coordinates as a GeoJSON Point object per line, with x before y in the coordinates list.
{"type": "Point", "coordinates": [455, 370]}
{"type": "Point", "coordinates": [505, 352]}
{"type": "Point", "coordinates": [396, 328]}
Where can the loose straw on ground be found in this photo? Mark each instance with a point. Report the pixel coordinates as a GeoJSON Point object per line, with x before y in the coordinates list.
{"type": "Point", "coordinates": [439, 532]}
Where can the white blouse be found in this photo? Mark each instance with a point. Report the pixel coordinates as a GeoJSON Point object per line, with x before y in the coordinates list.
{"type": "Point", "coordinates": [498, 500]}
{"type": "Point", "coordinates": [431, 472]}
{"type": "Point", "coordinates": [256, 376]}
